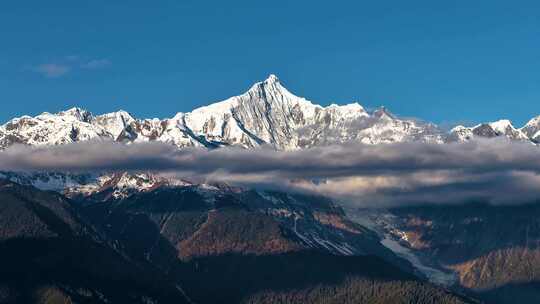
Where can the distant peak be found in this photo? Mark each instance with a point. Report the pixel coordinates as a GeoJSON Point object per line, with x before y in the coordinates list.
{"type": "Point", "coordinates": [73, 110]}
{"type": "Point", "coordinates": [272, 79]}
{"type": "Point", "coordinates": [501, 125]}
{"type": "Point", "coordinates": [459, 128]}
{"type": "Point", "coordinates": [383, 112]}
{"type": "Point", "coordinates": [119, 113]}
{"type": "Point", "coordinates": [78, 113]}
{"type": "Point", "coordinates": [534, 121]}
{"type": "Point", "coordinates": [354, 106]}
{"type": "Point", "coordinates": [123, 112]}
{"type": "Point", "coordinates": [503, 121]}
{"type": "Point", "coordinates": [271, 83]}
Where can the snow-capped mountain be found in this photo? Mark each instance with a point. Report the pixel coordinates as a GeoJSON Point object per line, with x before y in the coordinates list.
{"type": "Point", "coordinates": [122, 184]}
{"type": "Point", "coordinates": [532, 129]}
{"type": "Point", "coordinates": [115, 123]}
{"type": "Point", "coordinates": [52, 129]}
{"type": "Point", "coordinates": [267, 114]}
{"type": "Point", "coordinates": [501, 127]}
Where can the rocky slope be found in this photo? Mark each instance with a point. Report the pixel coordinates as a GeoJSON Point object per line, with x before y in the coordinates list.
{"type": "Point", "coordinates": [312, 222]}
{"type": "Point", "coordinates": [170, 245]}
{"type": "Point", "coordinates": [49, 254]}
{"type": "Point", "coordinates": [494, 250]}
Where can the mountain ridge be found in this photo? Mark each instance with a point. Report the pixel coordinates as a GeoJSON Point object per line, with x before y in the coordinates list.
{"type": "Point", "coordinates": [266, 114]}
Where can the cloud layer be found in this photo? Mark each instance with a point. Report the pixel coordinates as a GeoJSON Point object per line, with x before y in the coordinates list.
{"type": "Point", "coordinates": [496, 171]}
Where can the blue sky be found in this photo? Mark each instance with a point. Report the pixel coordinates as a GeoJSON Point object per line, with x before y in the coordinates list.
{"type": "Point", "coordinates": [442, 61]}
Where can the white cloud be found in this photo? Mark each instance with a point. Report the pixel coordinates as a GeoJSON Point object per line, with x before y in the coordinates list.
{"type": "Point", "coordinates": [52, 70]}
{"type": "Point", "coordinates": [68, 64]}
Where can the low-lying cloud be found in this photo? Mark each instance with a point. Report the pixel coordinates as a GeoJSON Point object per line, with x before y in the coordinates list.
{"type": "Point", "coordinates": [496, 171]}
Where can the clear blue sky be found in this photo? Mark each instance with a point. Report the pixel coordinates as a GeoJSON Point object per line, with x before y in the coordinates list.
{"type": "Point", "coordinates": [443, 61]}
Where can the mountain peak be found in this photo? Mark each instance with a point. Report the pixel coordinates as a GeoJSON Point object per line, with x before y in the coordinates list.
{"type": "Point", "coordinates": [79, 113]}
{"type": "Point", "coordinates": [383, 113]}
{"type": "Point", "coordinates": [270, 83]}
{"type": "Point", "coordinates": [271, 87]}
{"type": "Point", "coordinates": [272, 78]}
{"type": "Point", "coordinates": [532, 128]}
{"type": "Point", "coordinates": [501, 125]}
{"type": "Point", "coordinates": [120, 114]}
{"type": "Point", "coordinates": [72, 111]}
{"type": "Point", "coordinates": [534, 121]}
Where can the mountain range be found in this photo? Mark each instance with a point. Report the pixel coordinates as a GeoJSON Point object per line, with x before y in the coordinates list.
{"type": "Point", "coordinates": [159, 239]}
{"type": "Point", "coordinates": [267, 114]}
{"type": "Point", "coordinates": [187, 243]}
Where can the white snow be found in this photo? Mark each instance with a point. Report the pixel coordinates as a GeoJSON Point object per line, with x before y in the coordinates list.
{"type": "Point", "coordinates": [536, 135]}
{"type": "Point", "coordinates": [114, 122]}
{"type": "Point", "coordinates": [267, 114]}
{"type": "Point", "coordinates": [501, 125]}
